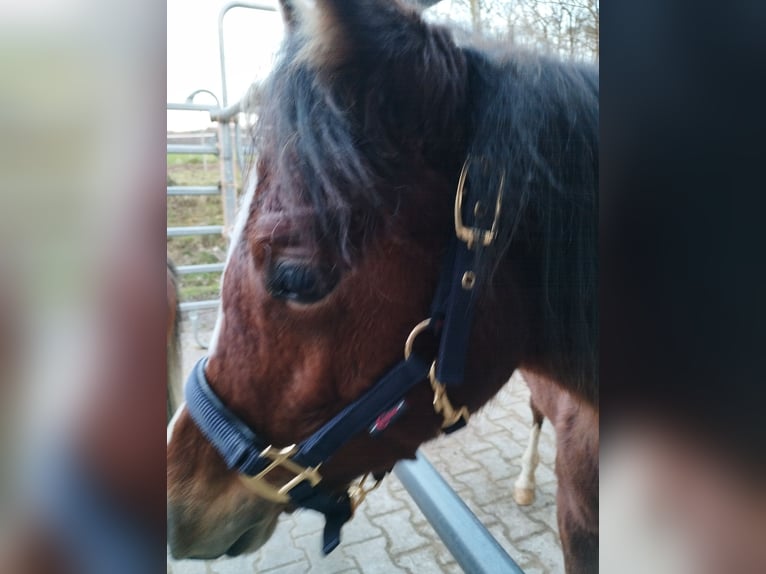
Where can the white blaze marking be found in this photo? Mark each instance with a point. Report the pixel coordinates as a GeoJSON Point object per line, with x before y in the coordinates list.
{"type": "Point", "coordinates": [173, 420]}
{"type": "Point", "coordinates": [239, 226]}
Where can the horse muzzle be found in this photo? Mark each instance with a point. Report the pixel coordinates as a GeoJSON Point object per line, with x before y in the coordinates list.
{"type": "Point", "coordinates": [201, 537]}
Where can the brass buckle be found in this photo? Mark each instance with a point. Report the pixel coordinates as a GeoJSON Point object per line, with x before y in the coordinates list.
{"type": "Point", "coordinates": [442, 404]}
{"type": "Point", "coordinates": [357, 492]}
{"type": "Point", "coordinates": [281, 458]}
{"type": "Point", "coordinates": [419, 328]}
{"type": "Point", "coordinates": [471, 235]}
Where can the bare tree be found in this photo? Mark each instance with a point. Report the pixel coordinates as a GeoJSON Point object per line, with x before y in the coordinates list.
{"type": "Point", "coordinates": [569, 28]}
{"type": "Point", "coordinates": [475, 16]}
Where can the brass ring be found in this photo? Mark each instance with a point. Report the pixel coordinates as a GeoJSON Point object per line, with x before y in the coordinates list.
{"type": "Point", "coordinates": [419, 328]}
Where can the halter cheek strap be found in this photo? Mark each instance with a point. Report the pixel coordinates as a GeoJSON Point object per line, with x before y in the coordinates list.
{"type": "Point", "coordinates": [451, 320]}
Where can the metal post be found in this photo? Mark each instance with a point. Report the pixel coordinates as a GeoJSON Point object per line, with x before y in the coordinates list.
{"type": "Point", "coordinates": [228, 183]}
{"type": "Point", "coordinates": [195, 93]}
{"type": "Point", "coordinates": [221, 14]}
{"type": "Point", "coordinates": [194, 317]}
{"type": "Point", "coordinates": [465, 537]}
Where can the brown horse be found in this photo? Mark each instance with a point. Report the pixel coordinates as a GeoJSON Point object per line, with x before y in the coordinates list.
{"type": "Point", "coordinates": [370, 122]}
{"type": "Point", "coordinates": [173, 342]}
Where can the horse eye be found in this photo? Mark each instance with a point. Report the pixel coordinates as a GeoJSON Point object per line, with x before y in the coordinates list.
{"type": "Point", "coordinates": [297, 282]}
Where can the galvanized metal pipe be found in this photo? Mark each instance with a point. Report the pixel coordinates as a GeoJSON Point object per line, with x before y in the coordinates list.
{"type": "Point", "coordinates": [465, 537]}
{"type": "Point", "coordinates": [201, 268]}
{"type": "Point", "coordinates": [190, 97]}
{"type": "Point", "coordinates": [199, 305]}
{"type": "Point", "coordinates": [228, 182]}
{"type": "Point", "coordinates": [196, 136]}
{"type": "Point", "coordinates": [195, 230]}
{"type": "Point", "coordinates": [189, 107]}
{"type": "Point", "coordinates": [193, 149]}
{"type": "Point", "coordinates": [193, 190]}
{"type": "Point", "coordinates": [225, 114]}
{"type": "Point", "coordinates": [221, 14]}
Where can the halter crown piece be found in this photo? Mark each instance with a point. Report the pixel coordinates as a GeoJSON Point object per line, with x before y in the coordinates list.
{"type": "Point", "coordinates": [451, 318]}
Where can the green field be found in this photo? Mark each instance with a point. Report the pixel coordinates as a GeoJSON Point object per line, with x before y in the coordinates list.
{"type": "Point", "coordinates": [195, 210]}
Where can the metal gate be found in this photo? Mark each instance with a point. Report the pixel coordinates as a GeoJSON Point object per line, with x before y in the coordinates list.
{"type": "Point", "coordinates": [221, 146]}
{"type": "Point", "coordinates": [227, 145]}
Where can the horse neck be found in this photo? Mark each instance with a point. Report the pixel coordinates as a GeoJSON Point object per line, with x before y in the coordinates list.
{"type": "Point", "coordinates": [536, 123]}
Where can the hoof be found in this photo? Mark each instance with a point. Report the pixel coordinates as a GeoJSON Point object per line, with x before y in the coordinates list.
{"type": "Point", "coordinates": [524, 496]}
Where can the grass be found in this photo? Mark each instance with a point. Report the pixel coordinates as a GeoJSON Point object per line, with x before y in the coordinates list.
{"type": "Point", "coordinates": [195, 210]}
{"type": "Point", "coordinates": [176, 159]}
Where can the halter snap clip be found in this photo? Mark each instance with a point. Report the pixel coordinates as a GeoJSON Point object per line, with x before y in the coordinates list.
{"type": "Point", "coordinates": [473, 235]}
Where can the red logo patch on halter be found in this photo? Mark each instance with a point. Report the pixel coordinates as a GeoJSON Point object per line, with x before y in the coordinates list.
{"type": "Point", "coordinates": [385, 419]}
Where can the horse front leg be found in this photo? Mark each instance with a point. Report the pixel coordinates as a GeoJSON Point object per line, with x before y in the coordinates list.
{"type": "Point", "coordinates": [579, 544]}
{"type": "Point", "coordinates": [577, 491]}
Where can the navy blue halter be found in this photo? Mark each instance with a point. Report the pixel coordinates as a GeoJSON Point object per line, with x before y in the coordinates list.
{"type": "Point", "coordinates": [451, 320]}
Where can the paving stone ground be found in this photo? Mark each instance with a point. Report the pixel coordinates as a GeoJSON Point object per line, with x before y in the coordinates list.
{"type": "Point", "coordinates": [390, 535]}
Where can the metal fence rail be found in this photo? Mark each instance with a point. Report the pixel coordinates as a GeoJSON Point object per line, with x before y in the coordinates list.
{"type": "Point", "coordinates": [220, 148]}
{"type": "Point", "coordinates": [193, 149]}
{"type": "Point", "coordinates": [188, 306]}
{"type": "Point", "coordinates": [203, 268]}
{"type": "Point", "coordinates": [227, 148]}
{"type": "Point", "coordinates": [190, 107]}
{"type": "Point", "coordinates": [195, 230]}
{"type": "Point", "coordinates": [465, 537]}
{"type": "Point", "coordinates": [221, 44]}
{"type": "Point", "coordinates": [193, 190]}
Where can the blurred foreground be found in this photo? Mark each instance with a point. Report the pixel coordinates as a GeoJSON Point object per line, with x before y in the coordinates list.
{"type": "Point", "coordinates": [81, 276]}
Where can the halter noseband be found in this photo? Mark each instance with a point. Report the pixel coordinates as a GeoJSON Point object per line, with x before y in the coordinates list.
{"type": "Point", "coordinates": [451, 319]}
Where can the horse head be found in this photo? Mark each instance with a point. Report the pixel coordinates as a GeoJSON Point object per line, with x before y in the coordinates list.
{"type": "Point", "coordinates": [364, 129]}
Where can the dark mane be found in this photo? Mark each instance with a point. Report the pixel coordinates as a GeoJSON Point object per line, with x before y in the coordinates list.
{"type": "Point", "coordinates": [315, 147]}
{"type": "Point", "coordinates": [537, 119]}
{"type": "Point", "coordinates": [345, 147]}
